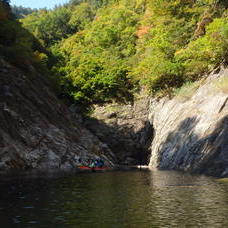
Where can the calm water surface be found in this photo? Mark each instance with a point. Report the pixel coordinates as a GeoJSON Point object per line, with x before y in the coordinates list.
{"type": "Point", "coordinates": [114, 199]}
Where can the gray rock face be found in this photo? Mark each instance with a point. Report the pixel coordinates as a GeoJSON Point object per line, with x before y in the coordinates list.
{"type": "Point", "coordinates": [192, 134]}
{"type": "Point", "coordinates": [125, 129]}
{"type": "Point", "coordinates": [37, 131]}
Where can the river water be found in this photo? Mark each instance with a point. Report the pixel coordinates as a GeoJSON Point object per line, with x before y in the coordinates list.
{"type": "Point", "coordinates": [114, 199]}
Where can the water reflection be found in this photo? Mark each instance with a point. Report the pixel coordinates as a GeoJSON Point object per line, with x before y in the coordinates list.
{"type": "Point", "coordinates": [183, 200]}
{"type": "Point", "coordinates": [114, 199]}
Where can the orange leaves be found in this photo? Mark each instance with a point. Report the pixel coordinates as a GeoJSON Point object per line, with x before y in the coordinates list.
{"type": "Point", "coordinates": [142, 31]}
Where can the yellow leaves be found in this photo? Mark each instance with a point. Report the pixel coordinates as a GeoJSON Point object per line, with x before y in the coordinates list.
{"type": "Point", "coordinates": [40, 56]}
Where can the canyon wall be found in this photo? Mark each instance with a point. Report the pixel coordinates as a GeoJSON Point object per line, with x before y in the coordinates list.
{"type": "Point", "coordinates": [125, 129]}
{"type": "Point", "coordinates": [188, 132]}
{"type": "Point", "coordinates": [37, 131]}
{"type": "Point", "coordinates": [191, 130]}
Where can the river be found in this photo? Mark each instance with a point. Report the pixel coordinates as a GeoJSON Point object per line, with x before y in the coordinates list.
{"type": "Point", "coordinates": [114, 199]}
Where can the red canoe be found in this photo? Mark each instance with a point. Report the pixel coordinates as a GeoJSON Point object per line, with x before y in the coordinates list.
{"type": "Point", "coordinates": [94, 168]}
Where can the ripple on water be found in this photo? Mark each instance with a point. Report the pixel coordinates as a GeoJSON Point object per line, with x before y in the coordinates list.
{"type": "Point", "coordinates": [115, 199]}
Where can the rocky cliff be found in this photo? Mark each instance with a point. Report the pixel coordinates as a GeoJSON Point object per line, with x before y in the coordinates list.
{"type": "Point", "coordinates": [191, 130]}
{"type": "Point", "coordinates": [125, 129]}
{"type": "Point", "coordinates": [36, 130]}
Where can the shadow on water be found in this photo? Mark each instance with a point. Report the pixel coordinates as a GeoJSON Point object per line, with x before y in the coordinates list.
{"type": "Point", "coordinates": [184, 149]}
{"type": "Point", "coordinates": [115, 199]}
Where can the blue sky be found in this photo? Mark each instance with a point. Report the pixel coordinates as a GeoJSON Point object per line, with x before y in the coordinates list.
{"type": "Point", "coordinates": [37, 3]}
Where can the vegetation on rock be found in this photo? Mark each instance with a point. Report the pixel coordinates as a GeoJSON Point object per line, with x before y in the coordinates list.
{"type": "Point", "coordinates": [104, 50]}
{"type": "Point", "coordinates": [18, 45]}
{"type": "Point", "coordinates": [21, 12]}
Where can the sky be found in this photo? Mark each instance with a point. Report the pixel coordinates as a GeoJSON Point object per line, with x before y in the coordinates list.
{"type": "Point", "coordinates": [38, 3]}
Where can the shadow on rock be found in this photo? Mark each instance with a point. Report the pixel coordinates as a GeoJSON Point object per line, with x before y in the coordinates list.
{"type": "Point", "coordinates": [184, 149]}
{"type": "Point", "coordinates": [130, 146]}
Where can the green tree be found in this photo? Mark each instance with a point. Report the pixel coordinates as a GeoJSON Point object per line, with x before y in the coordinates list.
{"type": "Point", "coordinates": [206, 52]}
{"type": "Point", "coordinates": [20, 11]}
{"type": "Point", "coordinates": [54, 26]}
{"type": "Point", "coordinates": [97, 60]}
{"type": "Point", "coordinates": [81, 16]}
{"type": "Point", "coordinates": [104, 49]}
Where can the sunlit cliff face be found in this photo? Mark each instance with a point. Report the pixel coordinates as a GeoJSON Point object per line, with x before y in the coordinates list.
{"type": "Point", "coordinates": [190, 132]}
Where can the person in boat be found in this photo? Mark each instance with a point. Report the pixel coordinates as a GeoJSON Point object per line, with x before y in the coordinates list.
{"type": "Point", "coordinates": [100, 163]}
{"type": "Point", "coordinates": [95, 163]}
{"type": "Point", "coordinates": [92, 163]}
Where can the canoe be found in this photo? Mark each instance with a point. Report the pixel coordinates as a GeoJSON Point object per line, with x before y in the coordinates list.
{"type": "Point", "coordinates": [93, 169]}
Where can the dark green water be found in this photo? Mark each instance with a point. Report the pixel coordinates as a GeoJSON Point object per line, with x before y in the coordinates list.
{"type": "Point", "coordinates": [114, 199]}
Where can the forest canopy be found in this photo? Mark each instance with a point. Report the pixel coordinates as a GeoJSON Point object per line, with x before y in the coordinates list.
{"type": "Point", "coordinates": [105, 50]}
{"type": "Point", "coordinates": [17, 44]}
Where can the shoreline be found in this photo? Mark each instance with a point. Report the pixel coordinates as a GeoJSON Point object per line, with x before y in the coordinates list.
{"type": "Point", "coordinates": [48, 173]}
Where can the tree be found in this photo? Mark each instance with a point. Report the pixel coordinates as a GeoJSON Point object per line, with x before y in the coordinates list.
{"type": "Point", "coordinates": [54, 26]}
{"type": "Point", "coordinates": [5, 1]}
{"type": "Point", "coordinates": [20, 11]}
{"type": "Point", "coordinates": [81, 16]}
{"type": "Point", "coordinates": [5, 11]}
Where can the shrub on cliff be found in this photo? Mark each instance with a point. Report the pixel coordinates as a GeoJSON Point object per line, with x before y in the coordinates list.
{"type": "Point", "coordinates": [206, 52]}
{"type": "Point", "coordinates": [185, 39]}
{"type": "Point", "coordinates": [96, 60]}
{"type": "Point", "coordinates": [18, 45]}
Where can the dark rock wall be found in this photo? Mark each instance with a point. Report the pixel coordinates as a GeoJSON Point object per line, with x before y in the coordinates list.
{"type": "Point", "coordinates": [125, 129]}
{"type": "Point", "coordinates": [36, 130]}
